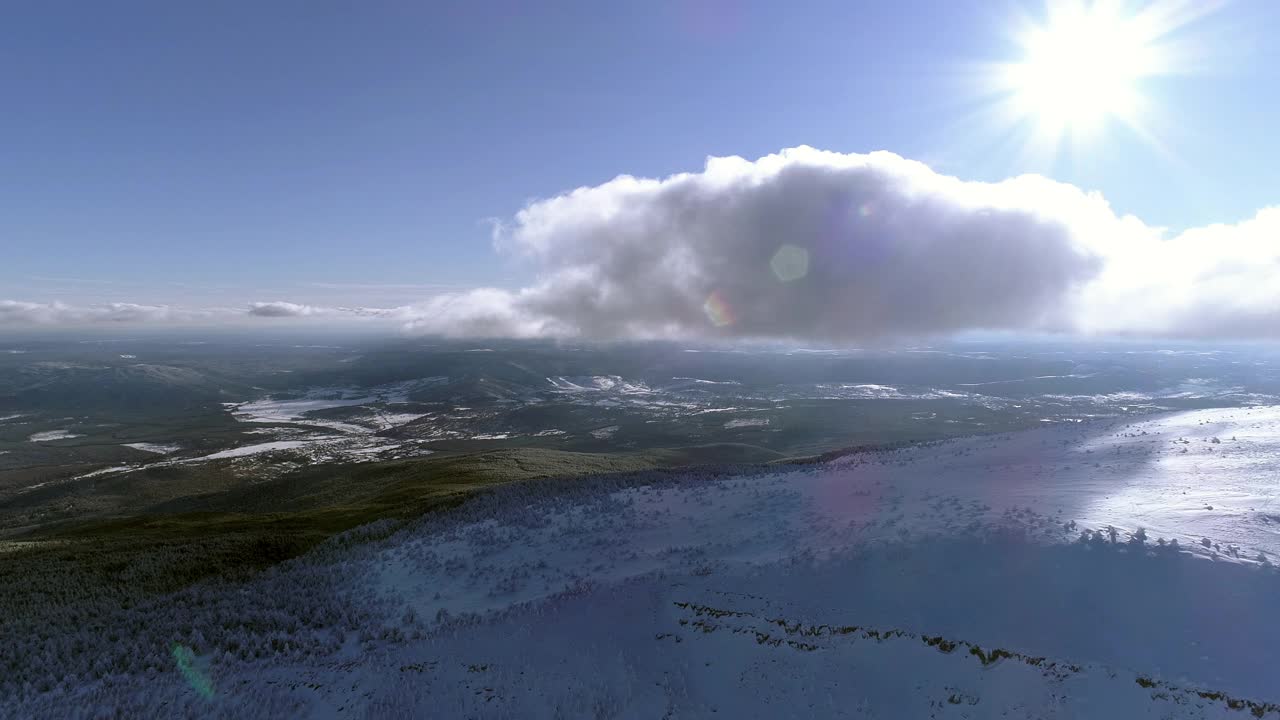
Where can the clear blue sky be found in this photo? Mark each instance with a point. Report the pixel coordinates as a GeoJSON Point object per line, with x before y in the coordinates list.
{"type": "Point", "coordinates": [165, 152]}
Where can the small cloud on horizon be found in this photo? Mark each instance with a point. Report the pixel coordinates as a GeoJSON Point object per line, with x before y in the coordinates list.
{"type": "Point", "coordinates": [282, 309]}
{"type": "Point", "coordinates": [15, 312]}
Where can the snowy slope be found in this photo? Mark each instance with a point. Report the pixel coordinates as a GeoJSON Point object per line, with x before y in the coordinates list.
{"type": "Point", "coordinates": [1024, 575]}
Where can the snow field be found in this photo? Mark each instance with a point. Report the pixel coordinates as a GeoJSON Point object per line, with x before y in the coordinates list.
{"type": "Point", "coordinates": [1026, 575]}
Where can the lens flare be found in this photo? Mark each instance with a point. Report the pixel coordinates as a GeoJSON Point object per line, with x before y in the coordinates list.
{"type": "Point", "coordinates": [185, 657]}
{"type": "Point", "coordinates": [718, 310]}
{"type": "Point", "coordinates": [790, 263]}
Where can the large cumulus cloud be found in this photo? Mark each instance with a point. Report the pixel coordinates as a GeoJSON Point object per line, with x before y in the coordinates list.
{"type": "Point", "coordinates": [813, 245]}
{"type": "Point", "coordinates": [802, 244]}
{"type": "Point", "coordinates": [1214, 282]}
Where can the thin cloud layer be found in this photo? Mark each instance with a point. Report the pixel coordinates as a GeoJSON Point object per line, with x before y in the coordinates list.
{"type": "Point", "coordinates": [23, 313]}
{"type": "Point", "coordinates": [14, 312]}
{"type": "Point", "coordinates": [280, 309]}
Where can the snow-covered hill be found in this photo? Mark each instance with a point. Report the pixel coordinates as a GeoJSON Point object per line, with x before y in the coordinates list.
{"type": "Point", "coordinates": [1096, 570]}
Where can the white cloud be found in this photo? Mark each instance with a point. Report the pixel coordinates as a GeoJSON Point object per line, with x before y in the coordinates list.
{"type": "Point", "coordinates": [1218, 281]}
{"type": "Point", "coordinates": [14, 312]}
{"type": "Point", "coordinates": [814, 245]}
{"type": "Point", "coordinates": [802, 244]}
{"type": "Point", "coordinates": [484, 312]}
{"type": "Point", "coordinates": [280, 309]}
{"type": "Point", "coordinates": [284, 309]}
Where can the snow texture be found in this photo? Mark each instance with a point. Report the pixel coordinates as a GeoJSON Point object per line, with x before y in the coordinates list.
{"type": "Point", "coordinates": [51, 435]}
{"type": "Point", "coordinates": [1104, 569]}
{"type": "Point", "coordinates": [157, 448]}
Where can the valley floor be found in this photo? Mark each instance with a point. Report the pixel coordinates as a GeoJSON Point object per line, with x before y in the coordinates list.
{"type": "Point", "coordinates": [1107, 569]}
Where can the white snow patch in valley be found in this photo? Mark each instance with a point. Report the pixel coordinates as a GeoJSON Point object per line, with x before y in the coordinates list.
{"type": "Point", "coordinates": [604, 432]}
{"type": "Point", "coordinates": [298, 410]}
{"type": "Point", "coordinates": [6, 418]}
{"type": "Point", "coordinates": [378, 449]}
{"type": "Point", "coordinates": [599, 383]}
{"type": "Point", "coordinates": [295, 411]}
{"type": "Point", "coordinates": [386, 420]}
{"type": "Point", "coordinates": [53, 435]}
{"type": "Point", "coordinates": [270, 431]}
{"type": "Point", "coordinates": [876, 585]}
{"type": "Point", "coordinates": [868, 391]}
{"type": "Point", "coordinates": [157, 448]}
{"type": "Point", "coordinates": [746, 422]}
{"type": "Point", "coordinates": [315, 448]}
{"type": "Point", "coordinates": [247, 450]}
{"type": "Point", "coordinates": [96, 473]}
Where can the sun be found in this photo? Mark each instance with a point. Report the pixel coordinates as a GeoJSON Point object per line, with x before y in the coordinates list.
{"type": "Point", "coordinates": [1080, 70]}
{"type": "Point", "coordinates": [1083, 68]}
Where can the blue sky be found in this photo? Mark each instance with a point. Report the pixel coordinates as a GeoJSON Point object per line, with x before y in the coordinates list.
{"type": "Point", "coordinates": [204, 153]}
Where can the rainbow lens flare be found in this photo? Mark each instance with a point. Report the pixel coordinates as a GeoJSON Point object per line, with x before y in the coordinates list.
{"type": "Point", "coordinates": [718, 310]}
{"type": "Point", "coordinates": [185, 657]}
